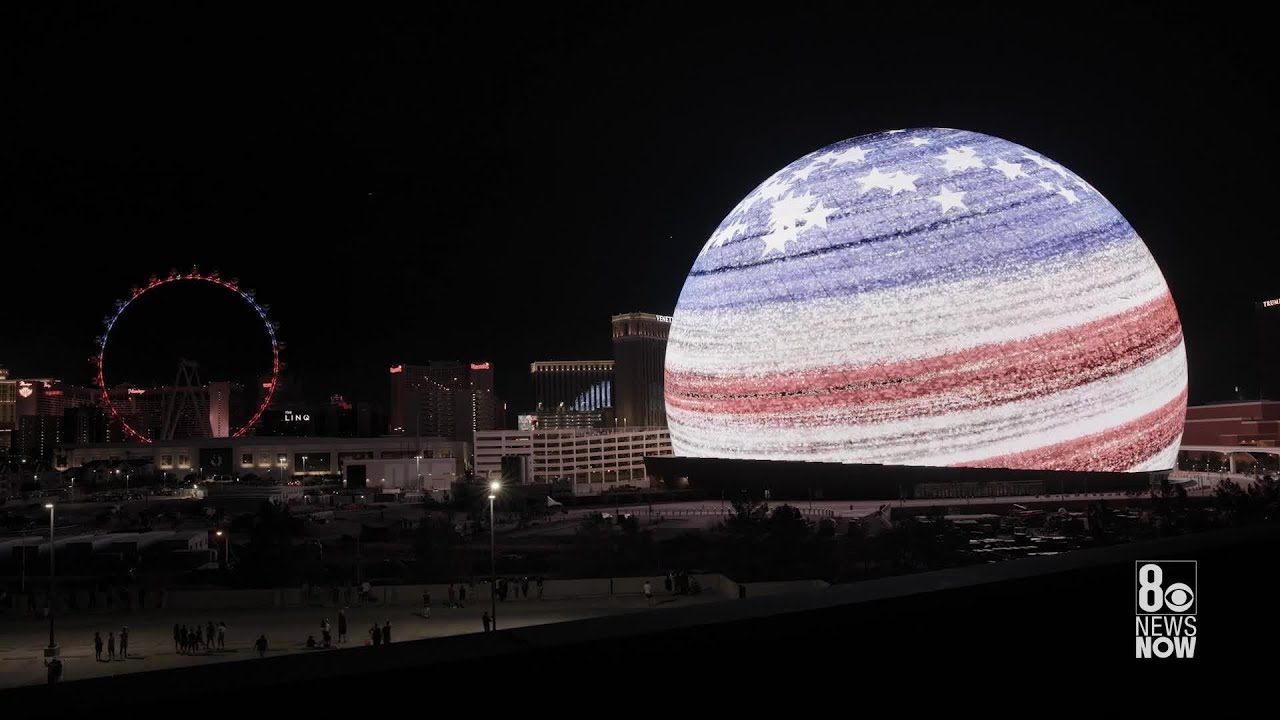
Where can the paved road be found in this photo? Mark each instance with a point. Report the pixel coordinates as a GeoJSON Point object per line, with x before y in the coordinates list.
{"type": "Point", "coordinates": [705, 513]}
{"type": "Point", "coordinates": [151, 635]}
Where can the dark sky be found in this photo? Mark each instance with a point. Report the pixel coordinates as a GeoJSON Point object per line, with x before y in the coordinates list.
{"type": "Point", "coordinates": [482, 186]}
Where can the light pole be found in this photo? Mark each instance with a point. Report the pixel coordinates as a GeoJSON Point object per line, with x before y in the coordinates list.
{"type": "Point", "coordinates": [226, 547]}
{"type": "Point", "coordinates": [417, 467]}
{"type": "Point", "coordinates": [494, 487]}
{"type": "Point", "coordinates": [304, 464]}
{"type": "Point", "coordinates": [52, 650]}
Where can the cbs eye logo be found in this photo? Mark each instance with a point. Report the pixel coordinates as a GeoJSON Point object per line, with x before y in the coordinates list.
{"type": "Point", "coordinates": [1166, 587]}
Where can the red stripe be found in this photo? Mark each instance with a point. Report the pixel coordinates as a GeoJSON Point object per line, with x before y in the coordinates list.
{"type": "Point", "coordinates": [980, 377]}
{"type": "Point", "coordinates": [1118, 449]}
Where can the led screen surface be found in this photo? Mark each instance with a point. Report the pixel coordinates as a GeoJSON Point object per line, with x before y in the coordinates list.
{"type": "Point", "coordinates": [927, 297]}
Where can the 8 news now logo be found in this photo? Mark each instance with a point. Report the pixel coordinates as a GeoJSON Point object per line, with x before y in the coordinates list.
{"type": "Point", "coordinates": [1166, 608]}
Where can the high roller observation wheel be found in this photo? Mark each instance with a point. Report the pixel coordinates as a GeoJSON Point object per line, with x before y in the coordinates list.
{"type": "Point", "coordinates": [175, 277]}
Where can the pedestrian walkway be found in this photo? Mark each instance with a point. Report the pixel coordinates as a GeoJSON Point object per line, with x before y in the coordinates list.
{"type": "Point", "coordinates": [151, 644]}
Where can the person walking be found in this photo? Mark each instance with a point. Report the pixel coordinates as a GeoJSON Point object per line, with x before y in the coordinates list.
{"type": "Point", "coordinates": [375, 635]}
{"type": "Point", "coordinates": [386, 632]}
{"type": "Point", "coordinates": [487, 622]}
{"type": "Point", "coordinates": [124, 643]}
{"type": "Point", "coordinates": [648, 592]}
{"type": "Point", "coordinates": [261, 645]}
{"type": "Point", "coordinates": [97, 646]}
{"type": "Point", "coordinates": [111, 646]}
{"type": "Point", "coordinates": [342, 626]}
{"type": "Point", "coordinates": [222, 635]}
{"type": "Point", "coordinates": [426, 603]}
{"type": "Point", "coordinates": [177, 638]}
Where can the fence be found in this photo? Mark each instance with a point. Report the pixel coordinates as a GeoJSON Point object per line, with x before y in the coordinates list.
{"type": "Point", "coordinates": [394, 595]}
{"type": "Point", "coordinates": [727, 511]}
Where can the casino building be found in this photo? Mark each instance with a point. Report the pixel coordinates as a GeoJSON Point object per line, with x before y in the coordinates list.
{"type": "Point", "coordinates": [278, 458]}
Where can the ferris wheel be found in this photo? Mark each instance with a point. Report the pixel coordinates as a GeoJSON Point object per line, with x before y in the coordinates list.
{"type": "Point", "coordinates": [195, 276]}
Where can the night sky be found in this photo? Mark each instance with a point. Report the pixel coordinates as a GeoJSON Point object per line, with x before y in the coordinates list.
{"type": "Point", "coordinates": [483, 186]}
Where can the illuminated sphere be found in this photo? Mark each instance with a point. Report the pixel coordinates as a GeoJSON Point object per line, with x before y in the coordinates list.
{"type": "Point", "coordinates": [927, 297]}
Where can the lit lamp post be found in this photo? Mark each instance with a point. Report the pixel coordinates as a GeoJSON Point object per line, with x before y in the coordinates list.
{"type": "Point", "coordinates": [226, 547]}
{"type": "Point", "coordinates": [417, 467]}
{"type": "Point", "coordinates": [52, 650]}
{"type": "Point", "coordinates": [304, 464]}
{"type": "Point", "coordinates": [494, 487]}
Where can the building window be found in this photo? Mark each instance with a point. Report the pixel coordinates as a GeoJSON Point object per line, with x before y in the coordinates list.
{"type": "Point", "coordinates": [166, 461]}
{"type": "Point", "coordinates": [246, 459]}
{"type": "Point", "coordinates": [184, 461]}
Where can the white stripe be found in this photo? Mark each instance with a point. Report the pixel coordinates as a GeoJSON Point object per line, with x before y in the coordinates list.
{"type": "Point", "coordinates": [909, 323]}
{"type": "Point", "coordinates": [1166, 459]}
{"type": "Point", "coordinates": [938, 440]}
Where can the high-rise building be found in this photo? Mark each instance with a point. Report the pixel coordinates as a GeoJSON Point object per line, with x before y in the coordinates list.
{"type": "Point", "coordinates": [443, 399]}
{"type": "Point", "coordinates": [639, 357]}
{"type": "Point", "coordinates": [220, 409]}
{"type": "Point", "coordinates": [86, 424]}
{"type": "Point", "coordinates": [36, 436]}
{"type": "Point", "coordinates": [1267, 318]}
{"type": "Point", "coordinates": [572, 393]}
{"type": "Point", "coordinates": [592, 460]}
{"type": "Point", "coordinates": [8, 409]}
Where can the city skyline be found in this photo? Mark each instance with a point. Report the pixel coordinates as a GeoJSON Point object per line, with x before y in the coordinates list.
{"type": "Point", "coordinates": [389, 211]}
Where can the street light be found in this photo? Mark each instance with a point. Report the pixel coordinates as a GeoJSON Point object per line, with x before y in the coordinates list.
{"type": "Point", "coordinates": [52, 650]}
{"type": "Point", "coordinates": [304, 464]}
{"type": "Point", "coordinates": [494, 487]}
{"type": "Point", "coordinates": [226, 547]}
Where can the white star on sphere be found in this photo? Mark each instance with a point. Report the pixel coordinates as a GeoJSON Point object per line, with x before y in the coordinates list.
{"type": "Point", "coordinates": [1084, 184]}
{"type": "Point", "coordinates": [788, 217]}
{"type": "Point", "coordinates": [728, 233]}
{"type": "Point", "coordinates": [1011, 171]}
{"type": "Point", "coordinates": [901, 182]}
{"type": "Point", "coordinates": [1046, 185]}
{"type": "Point", "coordinates": [774, 188]}
{"type": "Point", "coordinates": [876, 179]}
{"type": "Point", "coordinates": [1046, 164]}
{"type": "Point", "coordinates": [917, 142]}
{"type": "Point", "coordinates": [958, 159]}
{"type": "Point", "coordinates": [1069, 195]}
{"type": "Point", "coordinates": [816, 217]}
{"type": "Point", "coordinates": [804, 172]}
{"type": "Point", "coordinates": [950, 200]}
{"type": "Point", "coordinates": [854, 154]}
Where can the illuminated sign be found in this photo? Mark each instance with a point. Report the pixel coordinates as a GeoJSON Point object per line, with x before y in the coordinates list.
{"type": "Point", "coordinates": [291, 416]}
{"type": "Point", "coordinates": [663, 318]}
{"type": "Point", "coordinates": [479, 366]}
{"type": "Point", "coordinates": [25, 391]}
{"type": "Point", "coordinates": [266, 385]}
{"type": "Point", "coordinates": [136, 391]}
{"type": "Point", "coordinates": [397, 368]}
{"type": "Point", "coordinates": [23, 383]}
{"type": "Point", "coordinates": [902, 299]}
{"type": "Point", "coordinates": [53, 393]}
{"type": "Point", "coordinates": [1271, 303]}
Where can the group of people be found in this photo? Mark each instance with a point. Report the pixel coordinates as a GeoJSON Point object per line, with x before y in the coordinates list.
{"type": "Point", "coordinates": [187, 640]}
{"type": "Point", "coordinates": [518, 587]}
{"type": "Point", "coordinates": [111, 645]}
{"type": "Point", "coordinates": [326, 632]}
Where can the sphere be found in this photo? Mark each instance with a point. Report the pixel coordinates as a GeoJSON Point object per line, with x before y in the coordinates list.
{"type": "Point", "coordinates": [927, 297]}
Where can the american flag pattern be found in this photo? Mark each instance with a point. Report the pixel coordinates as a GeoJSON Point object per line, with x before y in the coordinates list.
{"type": "Point", "coordinates": [927, 297]}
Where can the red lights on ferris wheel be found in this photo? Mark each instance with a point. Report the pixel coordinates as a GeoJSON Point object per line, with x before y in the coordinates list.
{"type": "Point", "coordinates": [194, 276]}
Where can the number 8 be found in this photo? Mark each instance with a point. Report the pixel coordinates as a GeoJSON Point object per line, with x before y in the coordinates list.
{"type": "Point", "coordinates": [1150, 578]}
